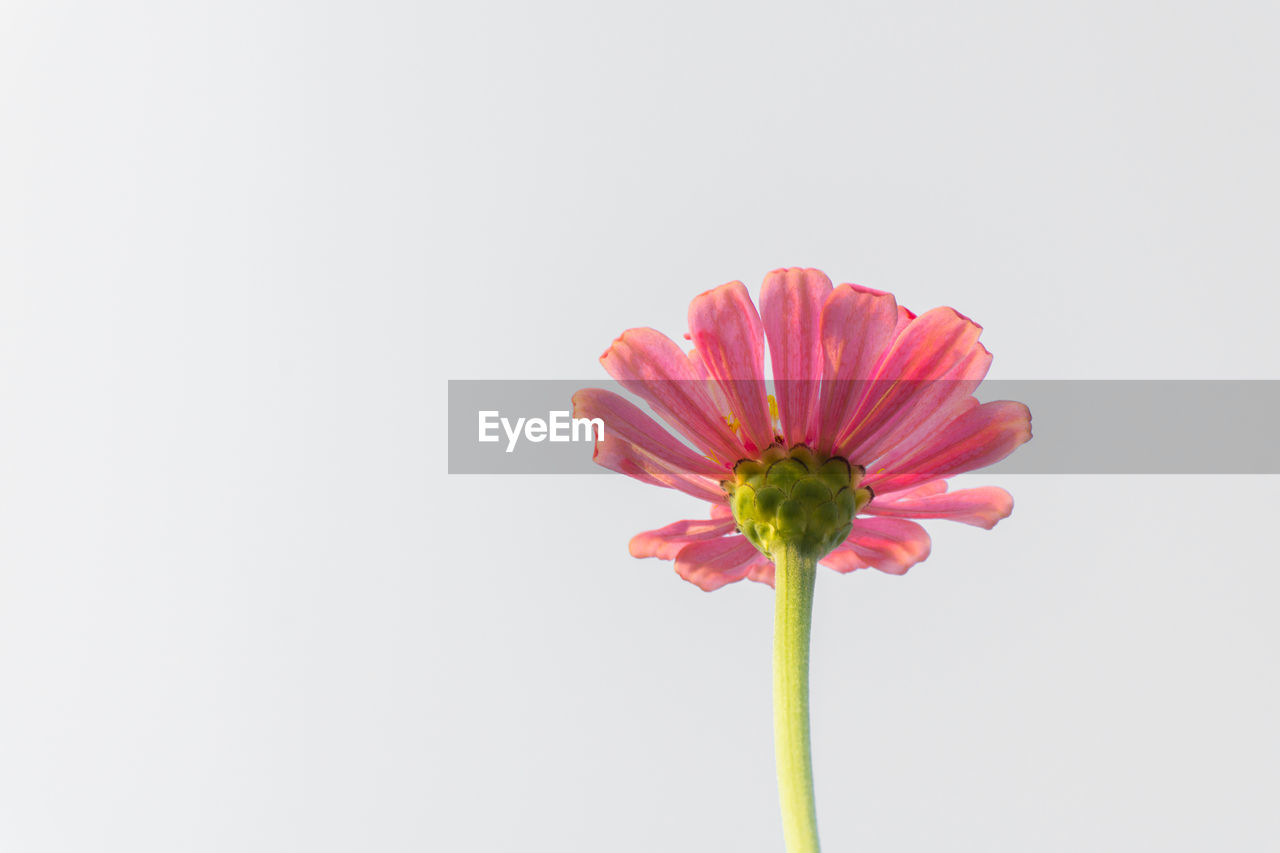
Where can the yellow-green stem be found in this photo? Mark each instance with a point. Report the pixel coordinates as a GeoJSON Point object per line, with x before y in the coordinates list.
{"type": "Point", "coordinates": [793, 611]}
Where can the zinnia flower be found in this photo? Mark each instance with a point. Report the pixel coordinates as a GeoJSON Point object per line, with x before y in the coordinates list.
{"type": "Point", "coordinates": [857, 377]}
{"type": "Point", "coordinates": [873, 410]}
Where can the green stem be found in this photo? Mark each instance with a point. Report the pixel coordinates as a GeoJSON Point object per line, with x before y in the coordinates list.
{"type": "Point", "coordinates": [793, 612]}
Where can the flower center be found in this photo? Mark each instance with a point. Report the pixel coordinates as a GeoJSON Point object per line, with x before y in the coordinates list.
{"type": "Point", "coordinates": [796, 497]}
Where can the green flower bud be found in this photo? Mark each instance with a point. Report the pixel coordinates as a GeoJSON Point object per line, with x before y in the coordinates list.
{"type": "Point", "coordinates": [796, 497]}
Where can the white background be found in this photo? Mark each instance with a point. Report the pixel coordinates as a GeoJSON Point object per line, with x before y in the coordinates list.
{"type": "Point", "coordinates": [244, 245]}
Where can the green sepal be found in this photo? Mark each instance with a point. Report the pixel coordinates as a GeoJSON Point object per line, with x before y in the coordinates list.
{"type": "Point", "coordinates": [796, 498]}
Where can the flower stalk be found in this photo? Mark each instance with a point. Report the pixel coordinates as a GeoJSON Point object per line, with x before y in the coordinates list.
{"type": "Point", "coordinates": [795, 573]}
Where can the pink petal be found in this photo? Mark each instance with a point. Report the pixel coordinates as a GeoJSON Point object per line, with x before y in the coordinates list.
{"type": "Point", "coordinates": [891, 545]}
{"type": "Point", "coordinates": [633, 444]}
{"type": "Point", "coordinates": [928, 348]}
{"type": "Point", "coordinates": [981, 436]}
{"type": "Point", "coordinates": [931, 404]}
{"type": "Point", "coordinates": [844, 560]}
{"type": "Point", "coordinates": [713, 563]}
{"type": "Point", "coordinates": [653, 367]}
{"type": "Point", "coordinates": [981, 507]}
{"type": "Point", "coordinates": [905, 316]}
{"type": "Point", "coordinates": [923, 435]}
{"type": "Point", "coordinates": [714, 391]}
{"type": "Point", "coordinates": [727, 332]}
{"type": "Point", "coordinates": [858, 325]}
{"type": "Point", "coordinates": [933, 487]}
{"type": "Point", "coordinates": [624, 460]}
{"type": "Point", "coordinates": [665, 543]}
{"type": "Point", "coordinates": [761, 571]}
{"type": "Point", "coordinates": [791, 302]}
{"type": "Point", "coordinates": [624, 420]}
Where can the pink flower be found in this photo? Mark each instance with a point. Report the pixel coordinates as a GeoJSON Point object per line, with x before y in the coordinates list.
{"type": "Point", "coordinates": [855, 375]}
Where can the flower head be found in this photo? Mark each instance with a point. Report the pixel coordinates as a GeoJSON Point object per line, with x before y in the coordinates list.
{"type": "Point", "coordinates": [872, 410]}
